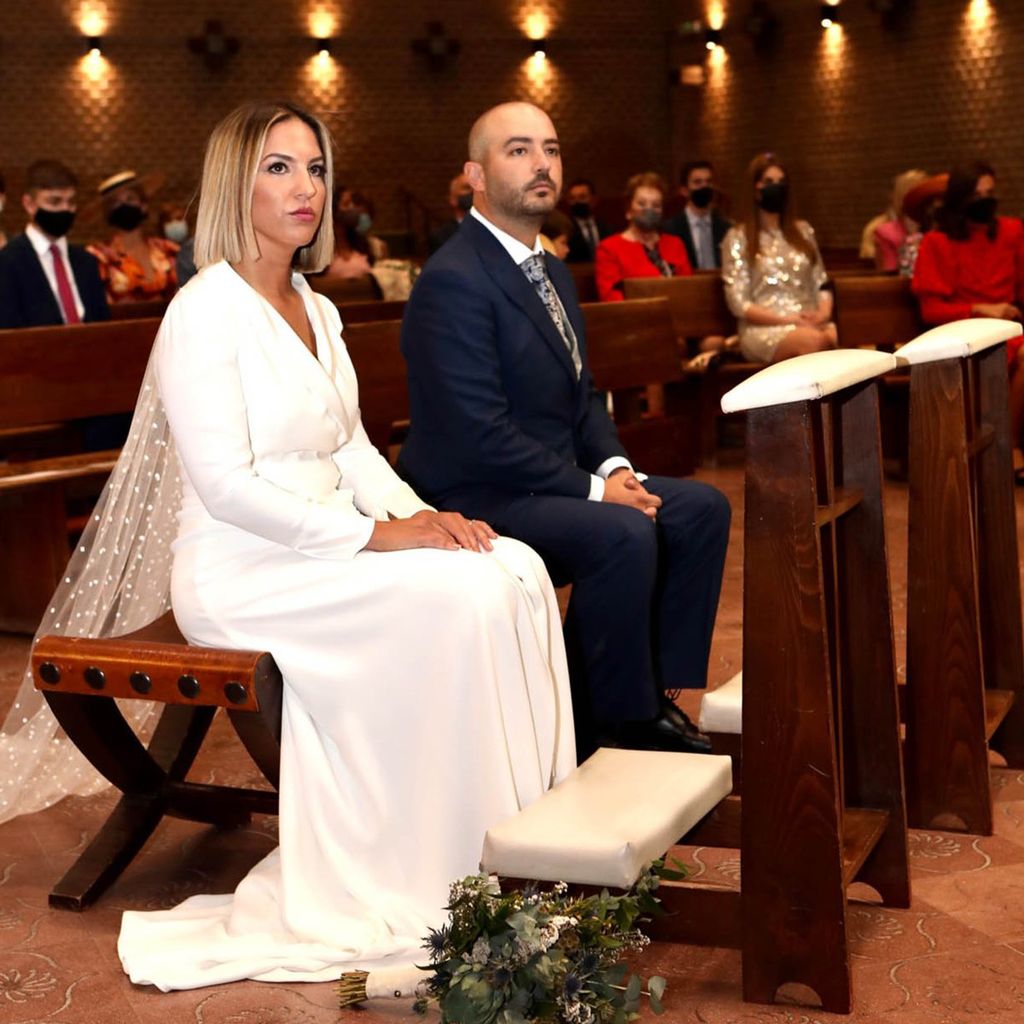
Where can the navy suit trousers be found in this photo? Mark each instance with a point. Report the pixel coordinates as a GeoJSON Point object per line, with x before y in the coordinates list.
{"type": "Point", "coordinates": [644, 595]}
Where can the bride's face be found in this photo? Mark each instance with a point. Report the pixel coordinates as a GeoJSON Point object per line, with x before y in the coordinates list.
{"type": "Point", "coordinates": [289, 191]}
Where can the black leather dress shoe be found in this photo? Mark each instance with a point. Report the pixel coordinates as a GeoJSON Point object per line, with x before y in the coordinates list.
{"type": "Point", "coordinates": [671, 730]}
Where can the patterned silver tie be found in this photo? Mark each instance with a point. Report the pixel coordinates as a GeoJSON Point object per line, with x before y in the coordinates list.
{"type": "Point", "coordinates": [536, 271]}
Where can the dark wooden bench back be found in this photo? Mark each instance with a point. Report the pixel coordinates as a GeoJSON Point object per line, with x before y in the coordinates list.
{"type": "Point", "coordinates": [585, 281]}
{"type": "Point", "coordinates": [53, 374]}
{"type": "Point", "coordinates": [697, 302]}
{"type": "Point", "coordinates": [347, 289]}
{"type": "Point", "coordinates": [374, 309]}
{"type": "Point", "coordinates": [875, 309]}
{"type": "Point", "coordinates": [630, 346]}
{"type": "Point", "coordinates": [138, 310]}
{"type": "Point", "coordinates": [380, 368]}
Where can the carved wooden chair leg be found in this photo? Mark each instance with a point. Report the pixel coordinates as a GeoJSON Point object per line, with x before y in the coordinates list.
{"type": "Point", "coordinates": [80, 679]}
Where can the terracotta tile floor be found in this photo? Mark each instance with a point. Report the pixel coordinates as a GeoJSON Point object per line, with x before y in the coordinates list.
{"type": "Point", "coordinates": [956, 956]}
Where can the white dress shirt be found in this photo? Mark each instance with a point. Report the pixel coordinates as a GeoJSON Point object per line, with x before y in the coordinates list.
{"type": "Point", "coordinates": [42, 243]}
{"type": "Point", "coordinates": [520, 252]}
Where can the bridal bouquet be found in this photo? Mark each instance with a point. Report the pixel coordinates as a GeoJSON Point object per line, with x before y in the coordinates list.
{"type": "Point", "coordinates": [541, 956]}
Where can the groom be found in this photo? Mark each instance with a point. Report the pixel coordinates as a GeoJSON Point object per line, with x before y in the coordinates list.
{"type": "Point", "coordinates": [507, 427]}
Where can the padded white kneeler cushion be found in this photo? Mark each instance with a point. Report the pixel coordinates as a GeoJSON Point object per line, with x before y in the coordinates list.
{"type": "Point", "coordinates": [957, 340]}
{"type": "Point", "coordinates": [721, 710]}
{"type": "Point", "coordinates": [807, 378]}
{"type": "Point", "coordinates": [609, 818]}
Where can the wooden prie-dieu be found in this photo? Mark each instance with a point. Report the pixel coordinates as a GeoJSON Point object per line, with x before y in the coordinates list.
{"type": "Point", "coordinates": [965, 658]}
{"type": "Point", "coordinates": [823, 802]}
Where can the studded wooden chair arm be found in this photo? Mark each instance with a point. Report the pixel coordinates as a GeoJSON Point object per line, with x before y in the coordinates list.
{"type": "Point", "coordinates": [83, 678]}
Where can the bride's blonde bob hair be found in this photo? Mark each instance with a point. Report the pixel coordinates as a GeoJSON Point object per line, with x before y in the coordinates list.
{"type": "Point", "coordinates": [224, 228]}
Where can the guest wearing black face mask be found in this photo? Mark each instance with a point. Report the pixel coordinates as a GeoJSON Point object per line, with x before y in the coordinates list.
{"type": "Point", "coordinates": [43, 280]}
{"type": "Point", "coordinates": [973, 265]}
{"type": "Point", "coordinates": [700, 226]}
{"type": "Point", "coordinates": [643, 249]}
{"type": "Point", "coordinates": [136, 266]}
{"type": "Point", "coordinates": [588, 231]}
{"type": "Point", "coordinates": [773, 274]}
{"type": "Point", "coordinates": [460, 201]}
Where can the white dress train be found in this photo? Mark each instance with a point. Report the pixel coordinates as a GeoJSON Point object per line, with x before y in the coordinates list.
{"type": "Point", "coordinates": [426, 694]}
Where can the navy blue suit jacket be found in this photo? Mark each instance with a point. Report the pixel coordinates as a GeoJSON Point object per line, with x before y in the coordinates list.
{"type": "Point", "coordinates": [26, 299]}
{"type": "Point", "coordinates": [496, 409]}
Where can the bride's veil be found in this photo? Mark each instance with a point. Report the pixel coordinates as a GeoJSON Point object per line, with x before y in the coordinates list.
{"type": "Point", "coordinates": [118, 579]}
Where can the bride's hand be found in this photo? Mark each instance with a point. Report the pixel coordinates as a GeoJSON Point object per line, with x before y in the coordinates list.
{"type": "Point", "coordinates": [426, 529]}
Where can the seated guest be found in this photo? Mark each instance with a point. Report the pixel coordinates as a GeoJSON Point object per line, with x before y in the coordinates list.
{"type": "Point", "coordinates": [507, 427]}
{"type": "Point", "coordinates": [3, 203]}
{"type": "Point", "coordinates": [43, 280]}
{"type": "Point", "coordinates": [773, 275]}
{"type": "Point", "coordinates": [356, 211]}
{"type": "Point", "coordinates": [406, 637]}
{"type": "Point", "coordinates": [555, 233]}
{"type": "Point", "coordinates": [352, 254]}
{"type": "Point", "coordinates": [920, 208]}
{"type": "Point", "coordinates": [643, 249]}
{"type": "Point", "coordinates": [700, 226]}
{"type": "Point", "coordinates": [973, 265]}
{"type": "Point", "coordinates": [460, 199]}
{"type": "Point", "coordinates": [891, 232]}
{"type": "Point", "coordinates": [136, 266]}
{"type": "Point", "coordinates": [185, 262]}
{"type": "Point", "coordinates": [588, 231]}
{"type": "Point", "coordinates": [173, 223]}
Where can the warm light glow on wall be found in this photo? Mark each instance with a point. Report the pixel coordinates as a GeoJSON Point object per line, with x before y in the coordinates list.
{"type": "Point", "coordinates": [322, 69]}
{"type": "Point", "coordinates": [536, 25]}
{"type": "Point", "coordinates": [94, 66]}
{"type": "Point", "coordinates": [979, 13]}
{"type": "Point", "coordinates": [717, 58]}
{"type": "Point", "coordinates": [324, 21]}
{"type": "Point", "coordinates": [93, 19]}
{"type": "Point", "coordinates": [715, 15]}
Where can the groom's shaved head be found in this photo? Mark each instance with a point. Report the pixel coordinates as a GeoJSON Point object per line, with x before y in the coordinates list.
{"type": "Point", "coordinates": [502, 122]}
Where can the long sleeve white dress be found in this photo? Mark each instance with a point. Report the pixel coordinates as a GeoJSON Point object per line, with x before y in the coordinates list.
{"type": "Point", "coordinates": [426, 692]}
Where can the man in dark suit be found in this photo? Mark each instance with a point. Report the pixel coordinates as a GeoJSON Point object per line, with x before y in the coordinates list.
{"type": "Point", "coordinates": [699, 224]}
{"type": "Point", "coordinates": [460, 199]}
{"type": "Point", "coordinates": [43, 280]}
{"type": "Point", "coordinates": [587, 229]}
{"type": "Point", "coordinates": [507, 428]}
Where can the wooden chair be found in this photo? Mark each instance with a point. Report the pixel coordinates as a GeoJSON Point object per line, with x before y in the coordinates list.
{"type": "Point", "coordinates": [631, 345]}
{"type": "Point", "coordinates": [375, 348]}
{"type": "Point", "coordinates": [965, 658]}
{"type": "Point", "coordinates": [823, 801]}
{"type": "Point", "coordinates": [83, 679]}
{"type": "Point", "coordinates": [43, 381]}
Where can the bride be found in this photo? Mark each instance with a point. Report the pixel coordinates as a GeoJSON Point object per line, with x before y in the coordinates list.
{"type": "Point", "coordinates": [426, 694]}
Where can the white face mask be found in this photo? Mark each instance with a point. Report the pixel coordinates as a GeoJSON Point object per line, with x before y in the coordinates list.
{"type": "Point", "coordinates": [176, 230]}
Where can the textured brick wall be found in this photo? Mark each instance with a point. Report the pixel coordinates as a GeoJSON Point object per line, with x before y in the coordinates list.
{"type": "Point", "coordinates": [151, 104]}
{"type": "Point", "coordinates": [850, 108]}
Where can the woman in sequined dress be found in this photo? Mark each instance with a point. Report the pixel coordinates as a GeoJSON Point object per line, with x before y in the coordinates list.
{"type": "Point", "coordinates": [773, 274]}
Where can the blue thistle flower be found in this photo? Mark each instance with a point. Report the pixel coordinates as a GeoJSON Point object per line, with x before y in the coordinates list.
{"type": "Point", "coordinates": [572, 986]}
{"type": "Point", "coordinates": [436, 942]}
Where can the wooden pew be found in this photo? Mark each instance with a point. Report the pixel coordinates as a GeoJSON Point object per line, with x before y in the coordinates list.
{"type": "Point", "coordinates": [346, 289]}
{"type": "Point", "coordinates": [374, 309]}
{"type": "Point", "coordinates": [52, 375]}
{"type": "Point", "coordinates": [374, 347]}
{"type": "Point", "coordinates": [631, 345]}
{"type": "Point", "coordinates": [699, 309]}
{"type": "Point", "coordinates": [138, 310]}
{"type": "Point", "coordinates": [585, 281]}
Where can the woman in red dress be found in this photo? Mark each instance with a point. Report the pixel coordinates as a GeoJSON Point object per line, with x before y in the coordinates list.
{"type": "Point", "coordinates": [973, 265]}
{"type": "Point", "coordinates": [642, 250]}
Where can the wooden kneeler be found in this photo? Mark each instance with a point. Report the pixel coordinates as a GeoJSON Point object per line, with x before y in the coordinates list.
{"type": "Point", "coordinates": [965, 656]}
{"type": "Point", "coordinates": [81, 678]}
{"type": "Point", "coordinates": [823, 802]}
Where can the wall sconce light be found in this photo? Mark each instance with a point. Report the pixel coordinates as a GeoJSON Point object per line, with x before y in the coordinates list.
{"type": "Point", "coordinates": [712, 38]}
{"type": "Point", "coordinates": [830, 15]}
{"type": "Point", "coordinates": [93, 46]}
{"type": "Point", "coordinates": [538, 48]}
{"type": "Point", "coordinates": [321, 47]}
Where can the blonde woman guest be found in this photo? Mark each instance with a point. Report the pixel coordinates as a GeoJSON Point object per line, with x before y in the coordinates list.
{"type": "Point", "coordinates": [408, 639]}
{"type": "Point", "coordinates": [892, 232]}
{"type": "Point", "coordinates": [773, 274]}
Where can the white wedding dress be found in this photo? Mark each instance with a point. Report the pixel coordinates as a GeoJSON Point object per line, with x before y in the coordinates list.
{"type": "Point", "coordinates": [426, 692]}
